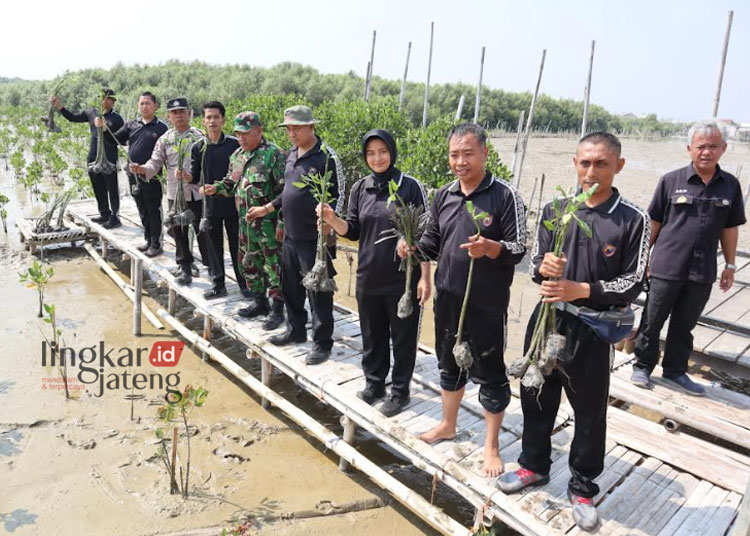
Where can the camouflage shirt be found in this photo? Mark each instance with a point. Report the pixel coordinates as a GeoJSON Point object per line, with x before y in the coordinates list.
{"type": "Point", "coordinates": [255, 177]}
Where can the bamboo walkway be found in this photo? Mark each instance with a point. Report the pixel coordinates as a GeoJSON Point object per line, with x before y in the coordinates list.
{"type": "Point", "coordinates": [656, 482]}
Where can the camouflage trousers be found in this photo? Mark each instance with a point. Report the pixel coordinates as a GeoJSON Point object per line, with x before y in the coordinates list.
{"type": "Point", "coordinates": [260, 257]}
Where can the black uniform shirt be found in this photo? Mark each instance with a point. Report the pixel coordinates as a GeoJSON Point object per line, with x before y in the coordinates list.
{"type": "Point", "coordinates": [298, 204]}
{"type": "Point", "coordinates": [368, 216]}
{"type": "Point", "coordinates": [613, 261]}
{"type": "Point", "coordinates": [216, 162]}
{"type": "Point", "coordinates": [141, 138]}
{"type": "Point", "coordinates": [114, 123]}
{"type": "Point", "coordinates": [692, 216]}
{"type": "Point", "coordinates": [450, 226]}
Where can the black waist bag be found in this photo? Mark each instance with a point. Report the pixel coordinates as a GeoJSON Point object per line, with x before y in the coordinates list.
{"type": "Point", "coordinates": [611, 325]}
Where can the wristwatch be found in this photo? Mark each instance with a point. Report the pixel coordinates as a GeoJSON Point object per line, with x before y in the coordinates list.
{"type": "Point", "coordinates": [729, 266]}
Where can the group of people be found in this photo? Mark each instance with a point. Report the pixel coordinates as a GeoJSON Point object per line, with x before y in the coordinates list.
{"type": "Point", "coordinates": [253, 192]}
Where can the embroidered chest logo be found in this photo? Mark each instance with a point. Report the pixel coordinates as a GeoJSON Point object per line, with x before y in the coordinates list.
{"type": "Point", "coordinates": [487, 221]}
{"type": "Point", "coordinates": [609, 250]}
{"type": "Point", "coordinates": [682, 199]}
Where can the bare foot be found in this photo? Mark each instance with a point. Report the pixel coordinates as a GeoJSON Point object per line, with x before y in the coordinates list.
{"type": "Point", "coordinates": [440, 432]}
{"type": "Point", "coordinates": [493, 463]}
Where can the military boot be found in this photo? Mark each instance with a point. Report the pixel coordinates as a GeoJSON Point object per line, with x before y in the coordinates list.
{"type": "Point", "coordinates": [259, 308]}
{"type": "Point", "coordinates": [276, 317]}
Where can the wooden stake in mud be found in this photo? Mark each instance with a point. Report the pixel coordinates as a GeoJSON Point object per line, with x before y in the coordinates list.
{"type": "Point", "coordinates": [348, 437]}
{"type": "Point", "coordinates": [460, 109]}
{"type": "Point", "coordinates": [479, 89]}
{"type": "Point", "coordinates": [105, 249]}
{"type": "Point", "coordinates": [517, 148]}
{"type": "Point", "coordinates": [266, 371]}
{"type": "Point", "coordinates": [174, 489]}
{"type": "Point", "coordinates": [717, 95]}
{"type": "Point", "coordinates": [402, 96]}
{"type": "Point", "coordinates": [171, 301]}
{"type": "Point", "coordinates": [367, 79]}
{"type": "Point", "coordinates": [370, 68]}
{"type": "Point", "coordinates": [587, 92]}
{"type": "Point", "coordinates": [208, 328]}
{"type": "Point", "coordinates": [137, 276]}
{"type": "Point", "coordinates": [427, 85]}
{"type": "Point", "coordinates": [527, 132]}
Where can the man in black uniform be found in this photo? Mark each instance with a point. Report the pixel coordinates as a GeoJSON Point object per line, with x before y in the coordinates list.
{"type": "Point", "coordinates": [309, 156]}
{"type": "Point", "coordinates": [451, 238]}
{"type": "Point", "coordinates": [600, 272]}
{"type": "Point", "coordinates": [211, 156]}
{"type": "Point", "coordinates": [141, 136]}
{"type": "Point", "coordinates": [106, 188]}
{"type": "Point", "coordinates": [693, 209]}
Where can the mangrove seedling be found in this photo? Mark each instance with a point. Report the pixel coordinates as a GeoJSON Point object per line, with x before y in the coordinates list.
{"type": "Point", "coordinates": [3, 211]}
{"type": "Point", "coordinates": [59, 204]}
{"type": "Point", "coordinates": [547, 345]}
{"type": "Point", "coordinates": [54, 344]}
{"type": "Point", "coordinates": [37, 276]}
{"type": "Point", "coordinates": [318, 279]}
{"type": "Point", "coordinates": [180, 215]}
{"type": "Point", "coordinates": [203, 225]}
{"type": "Point", "coordinates": [49, 119]}
{"type": "Point", "coordinates": [101, 164]}
{"type": "Point", "coordinates": [462, 350]}
{"type": "Point", "coordinates": [409, 222]}
{"type": "Point", "coordinates": [180, 405]}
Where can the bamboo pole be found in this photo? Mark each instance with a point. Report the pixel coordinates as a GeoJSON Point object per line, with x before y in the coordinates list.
{"type": "Point", "coordinates": [479, 89]}
{"type": "Point", "coordinates": [105, 247]}
{"type": "Point", "coordinates": [587, 92]}
{"type": "Point", "coordinates": [402, 96]}
{"type": "Point", "coordinates": [722, 63]}
{"type": "Point", "coordinates": [429, 72]}
{"type": "Point", "coordinates": [348, 436]}
{"type": "Point", "coordinates": [540, 199]}
{"type": "Point", "coordinates": [517, 148]}
{"type": "Point", "coordinates": [208, 328]}
{"type": "Point", "coordinates": [115, 277]}
{"type": "Point", "coordinates": [171, 300]}
{"type": "Point", "coordinates": [370, 68]}
{"type": "Point", "coordinates": [411, 500]}
{"type": "Point", "coordinates": [527, 132]}
{"type": "Point", "coordinates": [367, 78]}
{"type": "Point", "coordinates": [137, 273]}
{"type": "Point", "coordinates": [266, 372]}
{"type": "Point", "coordinates": [460, 109]}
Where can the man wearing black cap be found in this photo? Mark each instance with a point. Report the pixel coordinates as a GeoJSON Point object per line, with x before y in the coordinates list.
{"type": "Point", "coordinates": [106, 188]}
{"type": "Point", "coordinates": [141, 136]}
{"type": "Point", "coordinates": [308, 156]}
{"type": "Point", "coordinates": [173, 151]}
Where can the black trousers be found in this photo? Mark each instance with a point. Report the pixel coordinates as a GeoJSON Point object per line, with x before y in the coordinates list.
{"type": "Point", "coordinates": [484, 331]}
{"type": "Point", "coordinates": [684, 301]}
{"type": "Point", "coordinates": [183, 254]}
{"type": "Point", "coordinates": [585, 379]}
{"type": "Point", "coordinates": [216, 242]}
{"type": "Point", "coordinates": [107, 193]}
{"type": "Point", "coordinates": [148, 201]}
{"type": "Point", "coordinates": [298, 258]}
{"type": "Point", "coordinates": [380, 324]}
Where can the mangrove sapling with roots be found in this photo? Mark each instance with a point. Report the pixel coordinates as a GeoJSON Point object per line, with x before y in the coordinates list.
{"type": "Point", "coordinates": [409, 223]}
{"type": "Point", "coordinates": [59, 205]}
{"type": "Point", "coordinates": [54, 344]}
{"type": "Point", "coordinates": [4, 212]}
{"type": "Point", "coordinates": [179, 405]}
{"type": "Point", "coordinates": [180, 215]}
{"type": "Point", "coordinates": [461, 350]}
{"type": "Point", "coordinates": [318, 278]}
{"type": "Point", "coordinates": [547, 345]}
{"type": "Point", "coordinates": [101, 164]}
{"type": "Point", "coordinates": [203, 225]}
{"type": "Point", "coordinates": [36, 276]}
{"type": "Point", "coordinates": [49, 119]}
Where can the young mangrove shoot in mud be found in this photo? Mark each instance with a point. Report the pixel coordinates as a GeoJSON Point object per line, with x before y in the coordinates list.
{"type": "Point", "coordinates": [179, 405]}
{"type": "Point", "coordinates": [37, 276]}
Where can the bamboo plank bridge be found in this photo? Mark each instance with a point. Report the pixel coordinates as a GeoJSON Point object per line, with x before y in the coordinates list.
{"type": "Point", "coordinates": [659, 479]}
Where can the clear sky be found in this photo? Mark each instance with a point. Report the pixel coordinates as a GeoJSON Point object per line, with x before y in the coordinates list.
{"type": "Point", "coordinates": [657, 56]}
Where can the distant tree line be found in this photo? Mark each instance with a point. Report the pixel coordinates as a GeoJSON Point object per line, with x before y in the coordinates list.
{"type": "Point", "coordinates": [200, 82]}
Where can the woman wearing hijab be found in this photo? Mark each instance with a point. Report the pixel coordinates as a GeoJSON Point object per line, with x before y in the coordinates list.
{"type": "Point", "coordinates": [380, 282]}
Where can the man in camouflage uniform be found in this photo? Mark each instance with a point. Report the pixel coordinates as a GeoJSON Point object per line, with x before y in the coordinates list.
{"type": "Point", "coordinates": [255, 178]}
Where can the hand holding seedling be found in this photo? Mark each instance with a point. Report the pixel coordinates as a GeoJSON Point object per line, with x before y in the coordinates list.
{"type": "Point", "coordinates": [403, 250]}
{"type": "Point", "coordinates": [479, 246]}
{"type": "Point", "coordinates": [256, 212]}
{"type": "Point", "coordinates": [208, 189]}
{"type": "Point", "coordinates": [55, 100]}
{"type": "Point", "coordinates": [98, 122]}
{"type": "Point", "coordinates": [552, 266]}
{"type": "Point", "coordinates": [183, 175]}
{"type": "Point", "coordinates": [564, 290]}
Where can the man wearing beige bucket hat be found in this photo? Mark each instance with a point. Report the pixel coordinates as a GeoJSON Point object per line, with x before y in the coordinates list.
{"type": "Point", "coordinates": [309, 156]}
